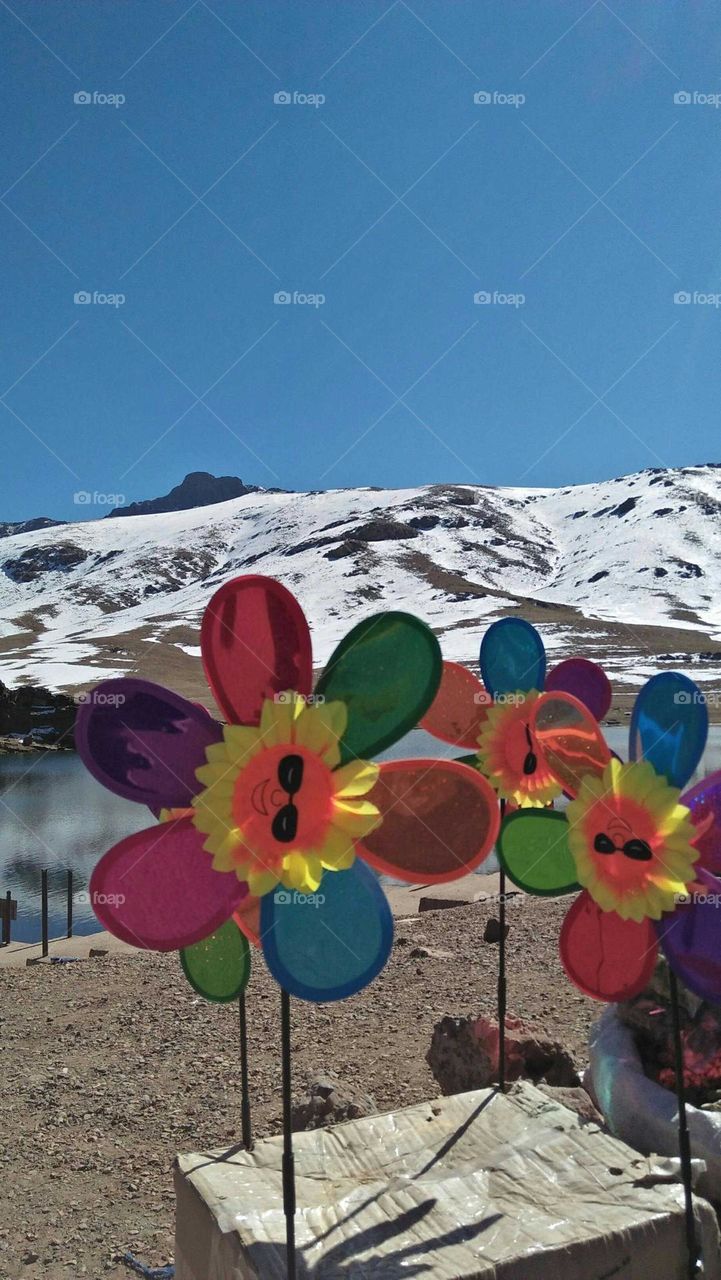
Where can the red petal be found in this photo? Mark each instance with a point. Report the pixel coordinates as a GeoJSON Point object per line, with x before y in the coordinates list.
{"type": "Point", "coordinates": [157, 889]}
{"type": "Point", "coordinates": [606, 957]}
{"type": "Point", "coordinates": [255, 643]}
{"type": "Point", "coordinates": [440, 820]}
{"type": "Point", "coordinates": [459, 708]}
{"type": "Point", "coordinates": [247, 918]}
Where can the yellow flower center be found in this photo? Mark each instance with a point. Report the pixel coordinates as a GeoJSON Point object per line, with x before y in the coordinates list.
{"type": "Point", "coordinates": [276, 805]}
{"type": "Point", "coordinates": [509, 756]}
{"type": "Point", "coordinates": [632, 841]}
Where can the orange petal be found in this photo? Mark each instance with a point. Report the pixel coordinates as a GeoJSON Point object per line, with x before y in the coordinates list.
{"type": "Point", "coordinates": [459, 707]}
{"type": "Point", "coordinates": [439, 820]}
{"type": "Point", "coordinates": [569, 739]}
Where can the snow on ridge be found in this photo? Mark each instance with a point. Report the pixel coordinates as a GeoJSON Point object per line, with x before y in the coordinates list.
{"type": "Point", "coordinates": [639, 549]}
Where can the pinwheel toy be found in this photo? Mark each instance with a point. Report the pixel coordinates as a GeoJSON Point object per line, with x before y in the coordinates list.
{"type": "Point", "coordinates": [646, 857]}
{"type": "Point", "coordinates": [273, 821]}
{"type": "Point", "coordinates": [495, 717]}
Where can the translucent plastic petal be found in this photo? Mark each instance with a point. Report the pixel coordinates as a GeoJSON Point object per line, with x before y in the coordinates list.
{"type": "Point", "coordinates": [606, 957]}
{"type": "Point", "coordinates": [586, 681]}
{"type": "Point", "coordinates": [328, 945]}
{"type": "Point", "coordinates": [158, 889]}
{"type": "Point", "coordinates": [513, 658]}
{"type": "Point", "coordinates": [247, 918]}
{"type": "Point", "coordinates": [387, 671]}
{"type": "Point", "coordinates": [459, 708]}
{"type": "Point", "coordinates": [533, 849]}
{"type": "Point", "coordinates": [704, 801]}
{"type": "Point", "coordinates": [218, 967]}
{"type": "Point", "coordinates": [255, 643]}
{"type": "Point", "coordinates": [569, 739]}
{"type": "Point", "coordinates": [144, 742]}
{"type": "Point", "coordinates": [691, 939]}
{"type": "Point", "coordinates": [669, 726]}
{"type": "Point", "coordinates": [440, 820]}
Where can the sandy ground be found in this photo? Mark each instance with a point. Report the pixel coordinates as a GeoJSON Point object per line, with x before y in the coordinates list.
{"type": "Point", "coordinates": [113, 1065]}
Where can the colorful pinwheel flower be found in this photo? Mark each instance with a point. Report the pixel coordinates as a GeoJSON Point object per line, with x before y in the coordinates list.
{"type": "Point", "coordinates": [646, 856]}
{"type": "Point", "coordinates": [271, 818]}
{"type": "Point", "coordinates": [495, 717]}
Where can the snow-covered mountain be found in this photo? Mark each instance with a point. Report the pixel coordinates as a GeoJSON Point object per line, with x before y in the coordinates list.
{"type": "Point", "coordinates": [624, 570]}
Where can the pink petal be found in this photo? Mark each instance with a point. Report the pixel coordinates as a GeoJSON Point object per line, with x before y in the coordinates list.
{"type": "Point", "coordinates": [157, 889]}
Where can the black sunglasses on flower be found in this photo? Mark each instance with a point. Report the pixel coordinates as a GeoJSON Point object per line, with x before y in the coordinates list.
{"type": "Point", "coordinates": [290, 777]}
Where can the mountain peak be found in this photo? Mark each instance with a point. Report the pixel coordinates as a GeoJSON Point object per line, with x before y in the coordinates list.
{"type": "Point", "coordinates": [198, 489]}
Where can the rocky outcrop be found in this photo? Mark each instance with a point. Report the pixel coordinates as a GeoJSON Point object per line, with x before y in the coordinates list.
{"type": "Point", "coordinates": [463, 1055]}
{"type": "Point", "coordinates": [33, 563]}
{"type": "Point", "coordinates": [198, 489]}
{"type": "Point", "coordinates": [329, 1102]}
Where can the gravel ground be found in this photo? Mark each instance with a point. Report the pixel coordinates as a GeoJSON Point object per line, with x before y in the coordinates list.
{"type": "Point", "coordinates": [113, 1065]}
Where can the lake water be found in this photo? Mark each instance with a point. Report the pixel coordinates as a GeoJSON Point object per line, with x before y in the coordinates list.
{"type": "Point", "coordinates": [54, 816]}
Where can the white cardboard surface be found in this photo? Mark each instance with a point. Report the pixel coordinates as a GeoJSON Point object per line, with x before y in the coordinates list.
{"type": "Point", "coordinates": [512, 1187]}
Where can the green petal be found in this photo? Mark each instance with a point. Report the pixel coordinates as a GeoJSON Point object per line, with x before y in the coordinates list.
{"type": "Point", "coordinates": [218, 968]}
{"type": "Point", "coordinates": [387, 671]}
{"type": "Point", "coordinates": [533, 850]}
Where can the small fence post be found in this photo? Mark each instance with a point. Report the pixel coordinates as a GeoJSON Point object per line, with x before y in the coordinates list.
{"type": "Point", "coordinates": [44, 895]}
{"type": "Point", "coordinates": [70, 904]}
{"type": "Point", "coordinates": [7, 918]}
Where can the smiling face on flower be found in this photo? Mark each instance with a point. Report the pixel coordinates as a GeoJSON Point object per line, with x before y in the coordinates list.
{"type": "Point", "coordinates": [632, 840]}
{"type": "Point", "coordinates": [509, 756]}
{"type": "Point", "coordinates": [276, 806]}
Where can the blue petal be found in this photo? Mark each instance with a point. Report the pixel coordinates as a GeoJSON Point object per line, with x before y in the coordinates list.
{"type": "Point", "coordinates": [328, 945]}
{"type": "Point", "coordinates": [513, 658]}
{"type": "Point", "coordinates": [669, 724]}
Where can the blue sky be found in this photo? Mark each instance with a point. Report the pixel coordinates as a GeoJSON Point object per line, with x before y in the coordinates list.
{"type": "Point", "coordinates": [580, 199]}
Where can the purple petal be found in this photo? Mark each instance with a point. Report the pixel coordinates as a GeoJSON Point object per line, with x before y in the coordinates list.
{"type": "Point", "coordinates": [704, 801]}
{"type": "Point", "coordinates": [586, 681]}
{"type": "Point", "coordinates": [144, 742]}
{"type": "Point", "coordinates": [691, 938]}
{"type": "Point", "coordinates": [158, 889]}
